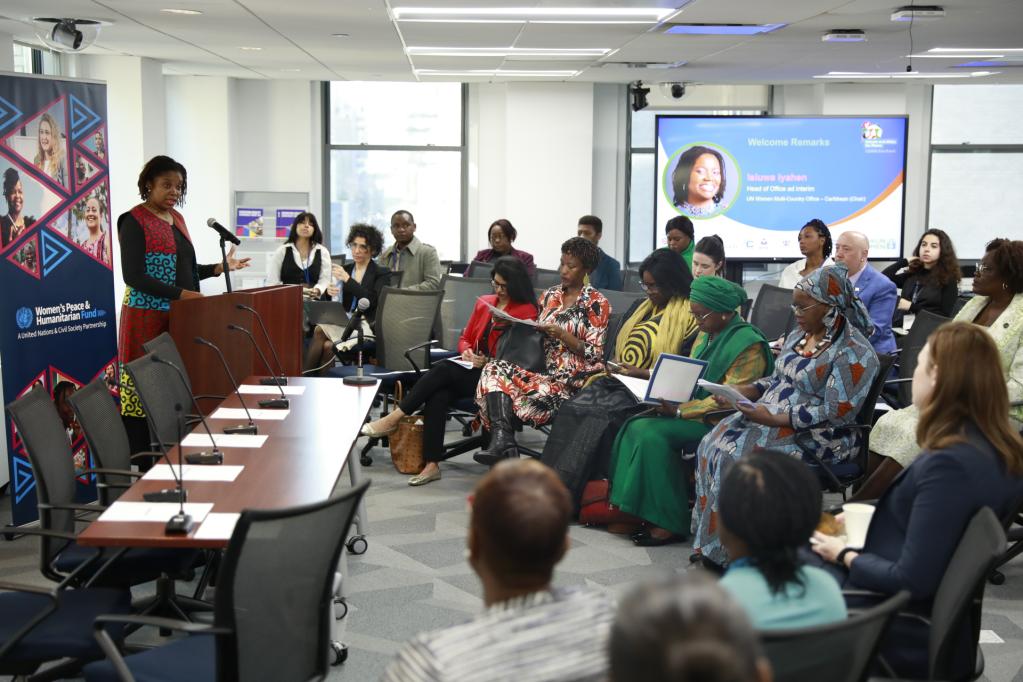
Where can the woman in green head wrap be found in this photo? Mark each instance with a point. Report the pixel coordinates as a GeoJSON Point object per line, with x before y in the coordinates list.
{"type": "Point", "coordinates": [648, 479]}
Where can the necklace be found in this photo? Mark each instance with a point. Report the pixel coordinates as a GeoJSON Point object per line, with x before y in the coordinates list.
{"type": "Point", "coordinates": [165, 216]}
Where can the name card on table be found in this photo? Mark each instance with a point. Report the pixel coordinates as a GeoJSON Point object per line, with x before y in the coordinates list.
{"type": "Point", "coordinates": [239, 413]}
{"type": "Point", "coordinates": [218, 526]}
{"type": "Point", "coordinates": [195, 472]}
{"type": "Point", "coordinates": [157, 512]}
{"type": "Point", "coordinates": [223, 440]}
{"type": "Point", "coordinates": [256, 389]}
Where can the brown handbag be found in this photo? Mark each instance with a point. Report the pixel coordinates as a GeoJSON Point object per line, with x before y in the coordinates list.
{"type": "Point", "coordinates": [407, 442]}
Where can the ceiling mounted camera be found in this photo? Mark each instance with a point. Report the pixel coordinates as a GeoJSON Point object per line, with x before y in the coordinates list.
{"type": "Point", "coordinates": [67, 34]}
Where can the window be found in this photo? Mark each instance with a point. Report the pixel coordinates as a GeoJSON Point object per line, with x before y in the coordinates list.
{"type": "Point", "coordinates": [976, 175]}
{"type": "Point", "coordinates": [396, 146]}
{"type": "Point", "coordinates": [28, 59]}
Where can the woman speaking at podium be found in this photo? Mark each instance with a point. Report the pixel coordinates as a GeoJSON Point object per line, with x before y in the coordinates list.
{"type": "Point", "coordinates": [158, 264]}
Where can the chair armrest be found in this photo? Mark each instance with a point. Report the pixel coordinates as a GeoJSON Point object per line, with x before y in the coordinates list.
{"type": "Point", "coordinates": [408, 353]}
{"type": "Point", "coordinates": [31, 589]}
{"type": "Point", "coordinates": [113, 654]}
{"type": "Point", "coordinates": [118, 472]}
{"type": "Point", "coordinates": [208, 396]}
{"type": "Point", "coordinates": [44, 532]}
{"type": "Point", "coordinates": [146, 453]}
{"type": "Point", "coordinates": [91, 508]}
{"type": "Point", "coordinates": [51, 608]}
{"type": "Point", "coordinates": [893, 382]}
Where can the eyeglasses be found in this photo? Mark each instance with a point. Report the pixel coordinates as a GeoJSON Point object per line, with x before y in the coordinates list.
{"type": "Point", "coordinates": [796, 310]}
{"type": "Point", "coordinates": [648, 287]}
{"type": "Point", "coordinates": [498, 285]}
{"type": "Point", "coordinates": [701, 318]}
{"type": "Point", "coordinates": [982, 268]}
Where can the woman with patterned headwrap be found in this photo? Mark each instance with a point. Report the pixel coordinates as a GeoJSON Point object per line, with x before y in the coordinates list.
{"type": "Point", "coordinates": [647, 478]}
{"type": "Point", "coordinates": [820, 380]}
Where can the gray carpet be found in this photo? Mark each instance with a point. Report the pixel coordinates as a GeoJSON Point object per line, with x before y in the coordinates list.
{"type": "Point", "coordinates": [414, 576]}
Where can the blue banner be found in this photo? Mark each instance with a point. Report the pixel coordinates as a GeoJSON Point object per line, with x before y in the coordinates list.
{"type": "Point", "coordinates": [754, 181]}
{"type": "Point", "coordinates": [56, 251]}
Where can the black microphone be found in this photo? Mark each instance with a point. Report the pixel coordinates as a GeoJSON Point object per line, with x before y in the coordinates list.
{"type": "Point", "coordinates": [281, 403]}
{"type": "Point", "coordinates": [214, 456]}
{"type": "Point", "coordinates": [241, 428]}
{"type": "Point", "coordinates": [224, 233]}
{"type": "Point", "coordinates": [181, 523]}
{"type": "Point", "coordinates": [353, 322]}
{"type": "Point", "coordinates": [178, 493]}
{"type": "Point", "coordinates": [273, 379]}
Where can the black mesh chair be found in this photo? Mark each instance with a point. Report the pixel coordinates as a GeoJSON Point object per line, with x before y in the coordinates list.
{"type": "Point", "coordinates": [621, 301]}
{"type": "Point", "coordinates": [632, 282]}
{"type": "Point", "coordinates": [60, 556]}
{"type": "Point", "coordinates": [272, 610]}
{"type": "Point", "coordinates": [479, 270]}
{"type": "Point", "coordinates": [899, 392]}
{"type": "Point", "coordinates": [837, 652]}
{"type": "Point", "coordinates": [161, 392]}
{"type": "Point", "coordinates": [545, 279]}
{"type": "Point", "coordinates": [164, 346]}
{"type": "Point", "coordinates": [101, 423]}
{"type": "Point", "coordinates": [772, 312]}
{"type": "Point", "coordinates": [460, 295]}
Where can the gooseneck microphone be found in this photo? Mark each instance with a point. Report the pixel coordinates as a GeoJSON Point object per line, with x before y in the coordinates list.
{"type": "Point", "coordinates": [354, 321]}
{"type": "Point", "coordinates": [181, 523]}
{"type": "Point", "coordinates": [178, 493]}
{"type": "Point", "coordinates": [281, 403]}
{"type": "Point", "coordinates": [224, 233]}
{"type": "Point", "coordinates": [279, 379]}
{"type": "Point", "coordinates": [214, 456]}
{"type": "Point", "coordinates": [241, 428]}
{"type": "Point", "coordinates": [355, 324]}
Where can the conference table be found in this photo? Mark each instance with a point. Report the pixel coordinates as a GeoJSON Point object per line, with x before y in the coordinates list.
{"type": "Point", "coordinates": [299, 463]}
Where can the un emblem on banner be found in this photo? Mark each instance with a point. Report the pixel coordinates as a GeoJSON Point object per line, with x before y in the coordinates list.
{"type": "Point", "coordinates": [23, 317]}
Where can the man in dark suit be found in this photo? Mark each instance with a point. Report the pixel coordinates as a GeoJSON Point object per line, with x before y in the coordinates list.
{"type": "Point", "coordinates": [876, 291]}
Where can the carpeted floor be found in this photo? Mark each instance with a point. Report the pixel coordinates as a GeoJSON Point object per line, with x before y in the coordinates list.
{"type": "Point", "coordinates": [414, 576]}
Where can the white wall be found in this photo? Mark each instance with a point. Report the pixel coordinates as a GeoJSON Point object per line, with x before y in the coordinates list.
{"type": "Point", "coordinates": [531, 161]}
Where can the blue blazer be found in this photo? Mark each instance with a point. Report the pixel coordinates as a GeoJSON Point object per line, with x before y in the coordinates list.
{"type": "Point", "coordinates": [880, 295]}
{"type": "Point", "coordinates": [919, 521]}
{"type": "Point", "coordinates": [607, 274]}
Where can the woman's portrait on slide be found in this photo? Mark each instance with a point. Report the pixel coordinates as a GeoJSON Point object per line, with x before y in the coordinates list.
{"type": "Point", "coordinates": [700, 181]}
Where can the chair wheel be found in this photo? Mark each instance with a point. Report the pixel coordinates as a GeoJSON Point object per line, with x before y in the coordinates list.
{"type": "Point", "coordinates": [365, 460]}
{"type": "Point", "coordinates": [340, 608]}
{"type": "Point", "coordinates": [357, 544]}
{"type": "Point", "coordinates": [996, 578]}
{"type": "Point", "coordinates": [340, 653]}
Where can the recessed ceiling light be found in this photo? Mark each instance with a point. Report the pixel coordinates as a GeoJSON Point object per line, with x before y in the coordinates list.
{"type": "Point", "coordinates": [291, 70]}
{"type": "Point", "coordinates": [955, 55]}
{"type": "Point", "coordinates": [483, 73]}
{"type": "Point", "coordinates": [506, 52]}
{"type": "Point", "coordinates": [527, 14]}
{"type": "Point", "coordinates": [187, 12]}
{"type": "Point", "coordinates": [338, 35]}
{"type": "Point", "coordinates": [966, 50]}
{"type": "Point", "coordinates": [249, 48]}
{"type": "Point", "coordinates": [918, 13]}
{"type": "Point", "coordinates": [844, 35]}
{"type": "Point", "coordinates": [722, 29]}
{"type": "Point", "coordinates": [894, 75]}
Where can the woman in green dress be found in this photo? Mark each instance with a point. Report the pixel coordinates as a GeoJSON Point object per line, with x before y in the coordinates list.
{"type": "Point", "coordinates": [648, 479]}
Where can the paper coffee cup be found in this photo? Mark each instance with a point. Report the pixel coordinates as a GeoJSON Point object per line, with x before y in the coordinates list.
{"type": "Point", "coordinates": [857, 521]}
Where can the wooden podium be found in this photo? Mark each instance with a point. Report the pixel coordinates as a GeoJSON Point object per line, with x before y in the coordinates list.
{"type": "Point", "coordinates": [280, 307]}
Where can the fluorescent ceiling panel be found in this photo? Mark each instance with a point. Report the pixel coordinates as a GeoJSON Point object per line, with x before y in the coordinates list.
{"type": "Point", "coordinates": [722, 29]}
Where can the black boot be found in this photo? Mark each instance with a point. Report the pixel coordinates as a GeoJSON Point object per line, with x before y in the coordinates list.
{"type": "Point", "coordinates": [502, 430]}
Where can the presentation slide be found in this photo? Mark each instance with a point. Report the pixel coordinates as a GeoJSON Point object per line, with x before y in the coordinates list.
{"type": "Point", "coordinates": [754, 181]}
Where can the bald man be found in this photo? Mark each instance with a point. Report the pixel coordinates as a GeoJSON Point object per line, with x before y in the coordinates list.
{"type": "Point", "coordinates": [876, 291]}
{"type": "Point", "coordinates": [518, 532]}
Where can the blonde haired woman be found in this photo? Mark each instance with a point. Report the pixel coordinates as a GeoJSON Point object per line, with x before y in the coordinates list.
{"type": "Point", "coordinates": [50, 151]}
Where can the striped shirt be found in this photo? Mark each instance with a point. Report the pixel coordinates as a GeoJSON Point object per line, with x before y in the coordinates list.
{"type": "Point", "coordinates": [549, 636]}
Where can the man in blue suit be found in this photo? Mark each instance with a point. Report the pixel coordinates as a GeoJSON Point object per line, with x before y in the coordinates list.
{"type": "Point", "coordinates": [876, 291]}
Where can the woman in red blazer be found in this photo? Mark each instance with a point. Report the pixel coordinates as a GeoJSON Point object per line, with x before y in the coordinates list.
{"type": "Point", "coordinates": [448, 381]}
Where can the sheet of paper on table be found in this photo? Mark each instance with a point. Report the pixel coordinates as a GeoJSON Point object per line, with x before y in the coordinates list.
{"type": "Point", "coordinates": [157, 512]}
{"type": "Point", "coordinates": [257, 389]}
{"type": "Point", "coordinates": [217, 526]}
{"type": "Point", "coordinates": [224, 440]}
{"type": "Point", "coordinates": [194, 472]}
{"type": "Point", "coordinates": [239, 413]}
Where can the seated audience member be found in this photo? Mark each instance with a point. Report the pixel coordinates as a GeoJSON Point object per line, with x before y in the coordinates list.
{"type": "Point", "coordinates": [660, 323]}
{"type": "Point", "coordinates": [998, 309]}
{"type": "Point", "coordinates": [608, 273]}
{"type": "Point", "coordinates": [302, 258]}
{"type": "Point", "coordinates": [930, 279]}
{"type": "Point", "coordinates": [573, 317]}
{"type": "Point", "coordinates": [709, 257]}
{"type": "Point", "coordinates": [684, 629]}
{"type": "Point", "coordinates": [518, 532]}
{"type": "Point", "coordinates": [361, 278]}
{"type": "Point", "coordinates": [815, 245]}
{"type": "Point", "coordinates": [972, 457]}
{"type": "Point", "coordinates": [447, 382]}
{"type": "Point", "coordinates": [501, 236]}
{"type": "Point", "coordinates": [681, 238]}
{"type": "Point", "coordinates": [648, 479]}
{"type": "Point", "coordinates": [417, 261]}
{"type": "Point", "coordinates": [877, 292]}
{"type": "Point", "coordinates": [820, 380]}
{"type": "Point", "coordinates": [769, 506]}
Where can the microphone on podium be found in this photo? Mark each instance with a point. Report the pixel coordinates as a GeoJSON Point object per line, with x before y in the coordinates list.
{"type": "Point", "coordinates": [225, 234]}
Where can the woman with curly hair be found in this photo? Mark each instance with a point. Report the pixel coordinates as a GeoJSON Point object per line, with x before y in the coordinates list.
{"type": "Point", "coordinates": [815, 245]}
{"type": "Point", "coordinates": [15, 222]}
{"type": "Point", "coordinates": [362, 278]}
{"type": "Point", "coordinates": [573, 316]}
{"type": "Point", "coordinates": [50, 157]}
{"type": "Point", "coordinates": [501, 235]}
{"type": "Point", "coordinates": [930, 279]}
{"type": "Point", "coordinates": [998, 308]}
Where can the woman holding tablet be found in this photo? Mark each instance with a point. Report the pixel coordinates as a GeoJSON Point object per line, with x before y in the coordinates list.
{"type": "Point", "coordinates": [647, 478]}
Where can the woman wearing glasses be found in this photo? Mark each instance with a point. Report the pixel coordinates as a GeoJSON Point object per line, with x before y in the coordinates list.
{"type": "Point", "coordinates": [447, 381]}
{"type": "Point", "coordinates": [647, 479]}
{"type": "Point", "coordinates": [820, 380]}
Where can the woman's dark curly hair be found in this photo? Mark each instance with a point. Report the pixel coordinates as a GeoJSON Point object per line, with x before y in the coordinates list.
{"type": "Point", "coordinates": [157, 166]}
{"type": "Point", "coordinates": [772, 502]}
{"type": "Point", "coordinates": [1007, 259]}
{"type": "Point", "coordinates": [681, 223]}
{"type": "Point", "coordinates": [583, 249]}
{"type": "Point", "coordinates": [374, 237]}
{"type": "Point", "coordinates": [11, 178]}
{"type": "Point", "coordinates": [317, 237]}
{"type": "Point", "coordinates": [680, 176]}
{"type": "Point", "coordinates": [947, 268]}
{"type": "Point", "coordinates": [669, 271]}
{"type": "Point", "coordinates": [822, 230]}
{"type": "Point", "coordinates": [509, 230]}
{"type": "Point", "coordinates": [516, 277]}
